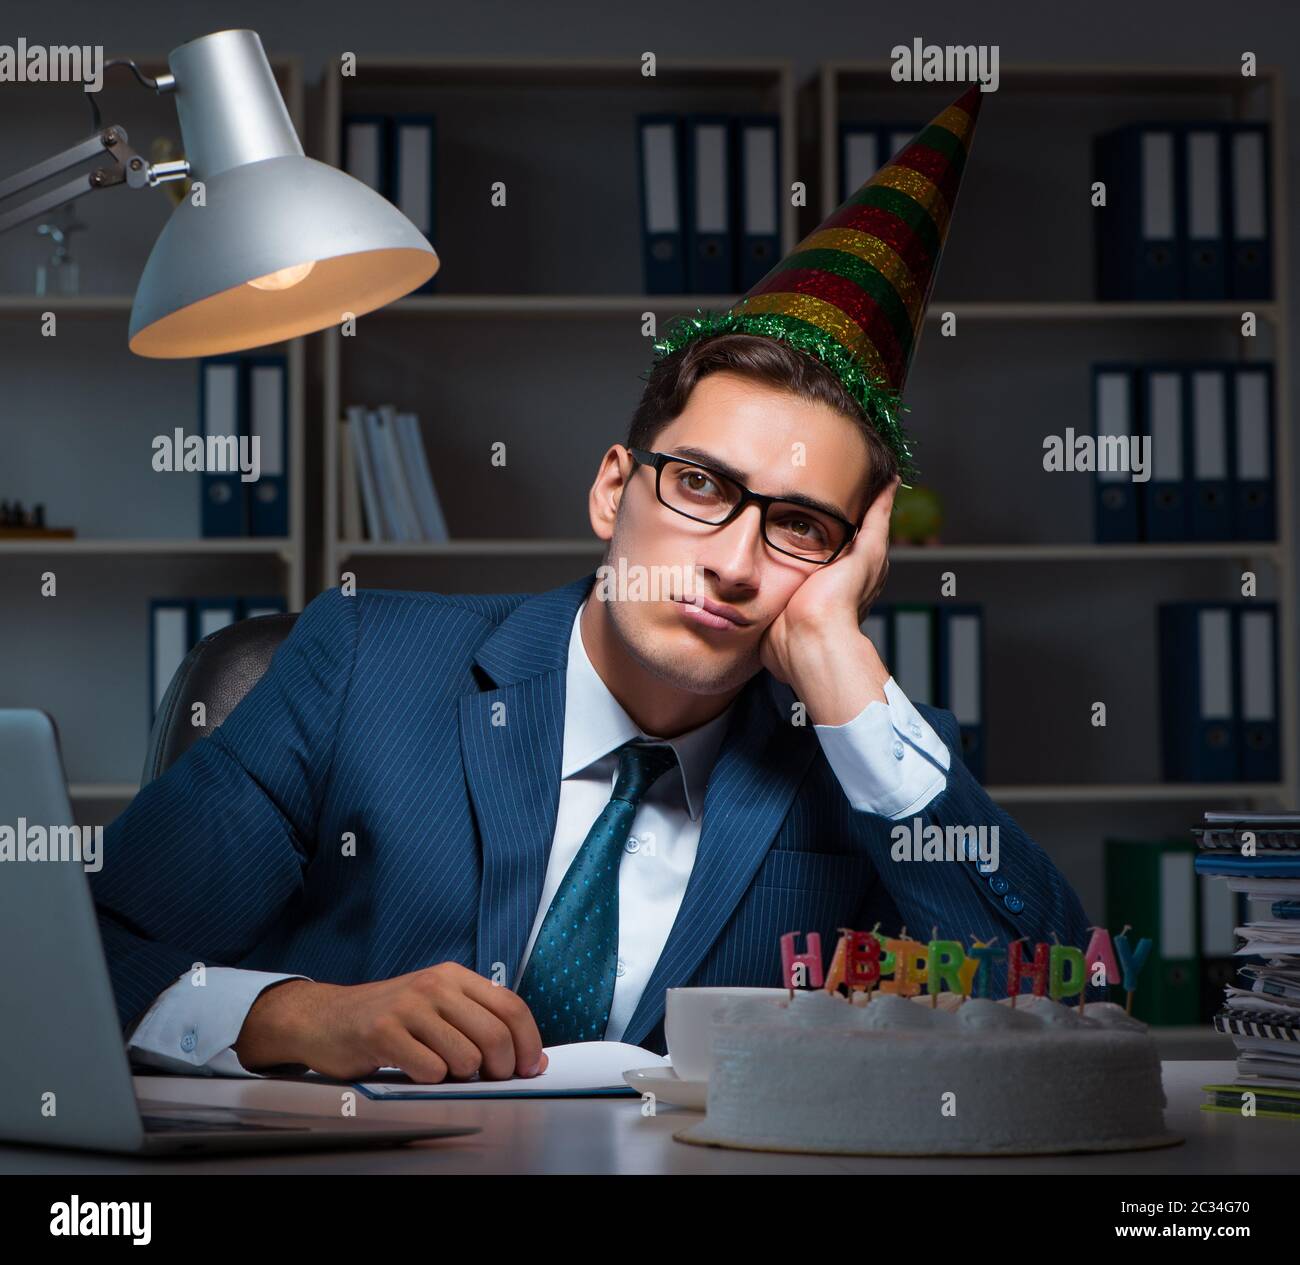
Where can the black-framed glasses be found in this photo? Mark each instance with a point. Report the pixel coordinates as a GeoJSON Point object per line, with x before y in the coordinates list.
{"type": "Point", "coordinates": [791, 527]}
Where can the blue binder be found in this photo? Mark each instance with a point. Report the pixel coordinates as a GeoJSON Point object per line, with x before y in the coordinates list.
{"type": "Point", "coordinates": [1205, 257]}
{"type": "Point", "coordinates": [663, 241]}
{"type": "Point", "coordinates": [366, 142]}
{"type": "Point", "coordinates": [961, 678]}
{"type": "Point", "coordinates": [758, 196]}
{"type": "Point", "coordinates": [913, 647]}
{"type": "Point", "coordinates": [1198, 709]}
{"type": "Point", "coordinates": [1139, 230]}
{"type": "Point", "coordinates": [710, 250]}
{"type": "Point", "coordinates": [211, 614]}
{"type": "Point", "coordinates": [267, 405]}
{"type": "Point", "coordinates": [1249, 203]}
{"type": "Point", "coordinates": [1115, 494]}
{"type": "Point", "coordinates": [171, 634]}
{"type": "Point", "coordinates": [878, 629]}
{"type": "Point", "coordinates": [1257, 725]}
{"type": "Point", "coordinates": [1210, 421]}
{"type": "Point", "coordinates": [222, 414]}
{"type": "Point", "coordinates": [1254, 486]}
{"type": "Point", "coordinates": [860, 155]}
{"type": "Point", "coordinates": [414, 157]}
{"type": "Point", "coordinates": [1165, 421]}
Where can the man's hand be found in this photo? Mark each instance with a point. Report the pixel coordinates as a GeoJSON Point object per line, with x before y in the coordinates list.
{"type": "Point", "coordinates": [445, 1021]}
{"type": "Point", "coordinates": [816, 644]}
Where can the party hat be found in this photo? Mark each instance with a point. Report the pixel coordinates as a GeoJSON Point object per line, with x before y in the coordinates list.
{"type": "Point", "coordinates": [854, 291]}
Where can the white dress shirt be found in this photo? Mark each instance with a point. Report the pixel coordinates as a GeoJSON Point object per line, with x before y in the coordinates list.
{"type": "Point", "coordinates": [888, 760]}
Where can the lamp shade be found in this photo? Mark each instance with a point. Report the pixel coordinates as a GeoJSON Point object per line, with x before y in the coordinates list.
{"type": "Point", "coordinates": [280, 245]}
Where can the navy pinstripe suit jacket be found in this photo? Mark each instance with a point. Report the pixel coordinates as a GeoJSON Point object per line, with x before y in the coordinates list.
{"type": "Point", "coordinates": [375, 718]}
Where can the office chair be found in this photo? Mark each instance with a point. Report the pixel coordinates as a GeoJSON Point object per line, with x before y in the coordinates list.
{"type": "Point", "coordinates": [218, 672]}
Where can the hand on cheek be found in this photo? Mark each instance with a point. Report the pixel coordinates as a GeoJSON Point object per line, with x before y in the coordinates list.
{"type": "Point", "coordinates": [828, 607]}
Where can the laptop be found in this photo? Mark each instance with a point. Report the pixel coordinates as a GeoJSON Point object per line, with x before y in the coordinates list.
{"type": "Point", "coordinates": [65, 1079]}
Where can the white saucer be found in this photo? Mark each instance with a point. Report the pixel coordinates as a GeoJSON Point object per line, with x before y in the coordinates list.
{"type": "Point", "coordinates": [668, 1087]}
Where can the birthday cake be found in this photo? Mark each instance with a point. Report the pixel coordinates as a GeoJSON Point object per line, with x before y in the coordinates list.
{"type": "Point", "coordinates": [884, 1074]}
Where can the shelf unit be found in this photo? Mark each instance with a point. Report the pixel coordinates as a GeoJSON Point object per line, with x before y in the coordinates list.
{"type": "Point", "coordinates": [92, 346]}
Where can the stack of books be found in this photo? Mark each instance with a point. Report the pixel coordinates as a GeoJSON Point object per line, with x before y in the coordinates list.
{"type": "Point", "coordinates": [1258, 855]}
{"type": "Point", "coordinates": [386, 487]}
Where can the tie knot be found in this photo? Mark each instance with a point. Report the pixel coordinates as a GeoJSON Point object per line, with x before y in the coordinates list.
{"type": "Point", "coordinates": [639, 766]}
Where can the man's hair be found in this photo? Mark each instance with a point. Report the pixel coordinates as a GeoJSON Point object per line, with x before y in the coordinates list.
{"type": "Point", "coordinates": [767, 360]}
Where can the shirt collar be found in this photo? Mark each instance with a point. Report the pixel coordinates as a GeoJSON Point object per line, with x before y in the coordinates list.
{"type": "Point", "coordinates": [596, 724]}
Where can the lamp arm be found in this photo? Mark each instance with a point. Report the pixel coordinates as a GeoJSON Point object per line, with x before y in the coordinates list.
{"type": "Point", "coordinates": [128, 168]}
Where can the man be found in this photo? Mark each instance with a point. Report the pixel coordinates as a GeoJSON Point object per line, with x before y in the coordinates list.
{"type": "Point", "coordinates": [442, 832]}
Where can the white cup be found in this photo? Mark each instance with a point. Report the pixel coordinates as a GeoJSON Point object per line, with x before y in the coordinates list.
{"type": "Point", "coordinates": [688, 1025]}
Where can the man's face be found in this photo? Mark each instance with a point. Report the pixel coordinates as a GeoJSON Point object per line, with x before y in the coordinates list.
{"type": "Point", "coordinates": [777, 444]}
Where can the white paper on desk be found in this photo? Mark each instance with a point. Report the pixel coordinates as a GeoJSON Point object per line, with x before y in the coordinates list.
{"type": "Point", "coordinates": [581, 1068]}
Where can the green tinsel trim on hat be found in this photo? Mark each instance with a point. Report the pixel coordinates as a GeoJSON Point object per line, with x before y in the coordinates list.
{"type": "Point", "coordinates": [880, 402]}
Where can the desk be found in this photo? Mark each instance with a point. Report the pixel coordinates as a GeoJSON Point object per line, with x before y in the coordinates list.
{"type": "Point", "coordinates": [610, 1135]}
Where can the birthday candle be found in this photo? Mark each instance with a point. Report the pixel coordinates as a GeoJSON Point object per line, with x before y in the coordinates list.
{"type": "Point", "coordinates": [861, 960]}
{"type": "Point", "coordinates": [984, 955]}
{"type": "Point", "coordinates": [944, 966]}
{"type": "Point", "coordinates": [908, 978]}
{"type": "Point", "coordinates": [1099, 950]}
{"type": "Point", "coordinates": [1063, 955]}
{"type": "Point", "coordinates": [1131, 961]}
{"type": "Point", "coordinates": [811, 960]}
{"type": "Point", "coordinates": [1037, 972]}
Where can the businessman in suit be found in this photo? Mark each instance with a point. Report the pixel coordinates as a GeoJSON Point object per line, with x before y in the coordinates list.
{"type": "Point", "coordinates": [444, 831]}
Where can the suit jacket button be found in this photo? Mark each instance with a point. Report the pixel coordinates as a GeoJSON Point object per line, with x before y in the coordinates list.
{"type": "Point", "coordinates": [1013, 902]}
{"type": "Point", "coordinates": [998, 884]}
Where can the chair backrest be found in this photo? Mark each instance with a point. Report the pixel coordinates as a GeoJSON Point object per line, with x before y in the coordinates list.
{"type": "Point", "coordinates": [218, 672]}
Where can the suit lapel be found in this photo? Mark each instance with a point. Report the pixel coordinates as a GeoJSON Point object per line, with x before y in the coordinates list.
{"type": "Point", "coordinates": [512, 746]}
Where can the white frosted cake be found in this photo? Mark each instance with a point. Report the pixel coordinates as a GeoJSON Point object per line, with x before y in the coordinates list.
{"type": "Point", "coordinates": [895, 1076]}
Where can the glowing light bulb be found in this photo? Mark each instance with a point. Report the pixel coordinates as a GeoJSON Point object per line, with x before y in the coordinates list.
{"type": "Point", "coordinates": [283, 278]}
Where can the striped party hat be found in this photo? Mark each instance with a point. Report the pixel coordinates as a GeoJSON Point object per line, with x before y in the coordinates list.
{"type": "Point", "coordinates": [854, 292]}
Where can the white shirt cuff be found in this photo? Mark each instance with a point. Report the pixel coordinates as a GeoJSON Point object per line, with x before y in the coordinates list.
{"type": "Point", "coordinates": [190, 1028]}
{"type": "Point", "coordinates": [888, 759]}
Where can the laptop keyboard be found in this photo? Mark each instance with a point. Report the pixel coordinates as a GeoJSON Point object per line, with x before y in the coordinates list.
{"type": "Point", "coordinates": [182, 1124]}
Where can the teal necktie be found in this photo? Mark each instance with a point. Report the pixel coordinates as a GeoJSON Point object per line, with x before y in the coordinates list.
{"type": "Point", "coordinates": [569, 981]}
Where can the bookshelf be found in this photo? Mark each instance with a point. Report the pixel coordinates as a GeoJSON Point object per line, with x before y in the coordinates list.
{"type": "Point", "coordinates": [83, 655]}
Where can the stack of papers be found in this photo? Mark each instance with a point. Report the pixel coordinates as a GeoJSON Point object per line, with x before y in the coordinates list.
{"type": "Point", "coordinates": [1261, 1009]}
